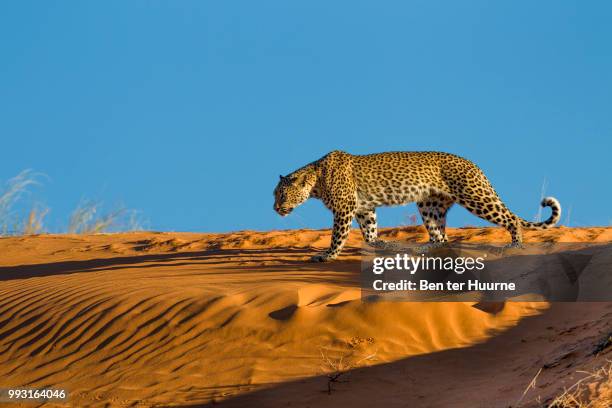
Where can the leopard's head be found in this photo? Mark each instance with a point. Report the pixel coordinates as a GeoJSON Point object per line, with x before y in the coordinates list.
{"type": "Point", "coordinates": [290, 192]}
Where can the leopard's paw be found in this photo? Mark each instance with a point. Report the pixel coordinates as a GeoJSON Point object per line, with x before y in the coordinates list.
{"type": "Point", "coordinates": [323, 257]}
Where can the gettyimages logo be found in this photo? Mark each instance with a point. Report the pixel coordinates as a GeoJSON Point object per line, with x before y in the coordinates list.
{"type": "Point", "coordinates": [473, 272]}
{"type": "Point", "coordinates": [412, 263]}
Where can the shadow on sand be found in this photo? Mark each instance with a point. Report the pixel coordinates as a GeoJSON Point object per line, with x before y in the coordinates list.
{"type": "Point", "coordinates": [281, 257]}
{"type": "Point", "coordinates": [492, 374]}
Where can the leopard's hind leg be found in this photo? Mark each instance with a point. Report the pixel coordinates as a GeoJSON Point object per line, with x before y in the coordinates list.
{"type": "Point", "coordinates": [488, 206]}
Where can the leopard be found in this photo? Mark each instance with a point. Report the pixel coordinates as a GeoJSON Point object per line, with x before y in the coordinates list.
{"type": "Point", "coordinates": [353, 186]}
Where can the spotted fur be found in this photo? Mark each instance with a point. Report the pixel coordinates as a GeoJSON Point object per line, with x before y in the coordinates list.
{"type": "Point", "coordinates": [353, 186]}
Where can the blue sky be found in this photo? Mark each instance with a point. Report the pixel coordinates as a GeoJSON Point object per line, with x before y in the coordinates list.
{"type": "Point", "coordinates": [188, 110]}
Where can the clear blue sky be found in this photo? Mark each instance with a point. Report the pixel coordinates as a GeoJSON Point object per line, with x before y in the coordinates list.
{"type": "Point", "coordinates": [189, 110]}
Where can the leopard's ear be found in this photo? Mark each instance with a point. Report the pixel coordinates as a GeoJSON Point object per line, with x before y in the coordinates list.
{"type": "Point", "coordinates": [280, 177]}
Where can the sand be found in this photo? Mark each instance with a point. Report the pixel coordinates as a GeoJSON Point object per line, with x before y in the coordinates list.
{"type": "Point", "coordinates": [242, 319]}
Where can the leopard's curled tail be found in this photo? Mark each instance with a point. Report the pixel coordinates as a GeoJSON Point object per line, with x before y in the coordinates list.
{"type": "Point", "coordinates": [553, 203]}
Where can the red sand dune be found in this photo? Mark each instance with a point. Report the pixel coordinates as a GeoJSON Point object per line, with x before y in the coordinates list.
{"type": "Point", "coordinates": [178, 319]}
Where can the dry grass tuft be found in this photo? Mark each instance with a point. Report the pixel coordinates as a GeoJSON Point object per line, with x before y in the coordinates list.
{"type": "Point", "coordinates": [593, 391]}
{"type": "Point", "coordinates": [337, 365]}
{"type": "Point", "coordinates": [88, 218]}
{"type": "Point", "coordinates": [34, 222]}
{"type": "Point", "coordinates": [10, 195]}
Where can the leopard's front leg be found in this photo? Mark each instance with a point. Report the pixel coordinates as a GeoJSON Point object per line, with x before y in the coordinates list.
{"type": "Point", "coordinates": [342, 227]}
